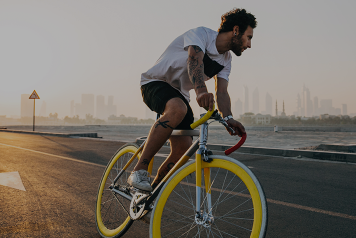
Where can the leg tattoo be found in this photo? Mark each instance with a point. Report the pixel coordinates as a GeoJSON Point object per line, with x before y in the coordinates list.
{"type": "Point", "coordinates": [163, 124]}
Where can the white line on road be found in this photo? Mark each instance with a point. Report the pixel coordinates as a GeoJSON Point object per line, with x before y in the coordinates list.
{"type": "Point", "coordinates": [58, 156]}
{"type": "Point", "coordinates": [312, 209]}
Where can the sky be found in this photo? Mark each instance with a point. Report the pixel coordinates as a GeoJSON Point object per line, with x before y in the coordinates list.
{"type": "Point", "coordinates": [66, 48]}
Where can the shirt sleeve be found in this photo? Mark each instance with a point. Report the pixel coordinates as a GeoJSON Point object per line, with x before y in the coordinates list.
{"type": "Point", "coordinates": [198, 37]}
{"type": "Point", "coordinates": [225, 72]}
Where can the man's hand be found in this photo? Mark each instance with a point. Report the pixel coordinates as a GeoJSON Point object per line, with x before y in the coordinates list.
{"type": "Point", "coordinates": [237, 126]}
{"type": "Point", "coordinates": [206, 100]}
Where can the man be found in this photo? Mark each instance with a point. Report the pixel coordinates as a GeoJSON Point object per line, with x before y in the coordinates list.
{"type": "Point", "coordinates": [190, 60]}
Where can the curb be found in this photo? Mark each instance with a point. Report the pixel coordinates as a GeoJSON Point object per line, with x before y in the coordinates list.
{"type": "Point", "coordinates": [312, 154]}
{"type": "Point", "coordinates": [92, 135]}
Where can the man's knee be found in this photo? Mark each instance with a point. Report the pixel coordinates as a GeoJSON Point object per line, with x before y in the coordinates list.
{"type": "Point", "coordinates": [176, 107]}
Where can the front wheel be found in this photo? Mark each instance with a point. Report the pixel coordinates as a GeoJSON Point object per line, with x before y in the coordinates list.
{"type": "Point", "coordinates": [112, 218]}
{"type": "Point", "coordinates": [237, 203]}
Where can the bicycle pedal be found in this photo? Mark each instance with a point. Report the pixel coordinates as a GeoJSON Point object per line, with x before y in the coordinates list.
{"type": "Point", "coordinates": [134, 190]}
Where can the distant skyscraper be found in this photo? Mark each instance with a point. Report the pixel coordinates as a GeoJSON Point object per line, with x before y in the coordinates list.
{"type": "Point", "coordinates": [269, 104]}
{"type": "Point", "coordinates": [26, 106]}
{"type": "Point", "coordinates": [344, 109]}
{"type": "Point", "coordinates": [276, 109]}
{"type": "Point", "coordinates": [238, 108]}
{"type": "Point", "coordinates": [316, 106]}
{"type": "Point", "coordinates": [111, 107]}
{"type": "Point", "coordinates": [246, 102]}
{"type": "Point", "coordinates": [299, 105]}
{"type": "Point", "coordinates": [307, 104]}
{"type": "Point", "coordinates": [87, 105]}
{"type": "Point", "coordinates": [256, 101]}
{"type": "Point", "coordinates": [101, 107]}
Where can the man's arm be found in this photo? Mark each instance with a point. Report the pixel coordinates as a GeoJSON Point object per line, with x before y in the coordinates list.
{"type": "Point", "coordinates": [196, 75]}
{"type": "Point", "coordinates": [224, 105]}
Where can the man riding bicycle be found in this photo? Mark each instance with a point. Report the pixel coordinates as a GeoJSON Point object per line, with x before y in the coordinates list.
{"type": "Point", "coordinates": [190, 60]}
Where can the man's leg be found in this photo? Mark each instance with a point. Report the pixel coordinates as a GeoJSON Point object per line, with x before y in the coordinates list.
{"type": "Point", "coordinates": [179, 145]}
{"type": "Point", "coordinates": [173, 115]}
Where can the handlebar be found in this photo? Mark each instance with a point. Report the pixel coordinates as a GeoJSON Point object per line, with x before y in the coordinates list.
{"type": "Point", "coordinates": [238, 145]}
{"type": "Point", "coordinates": [217, 116]}
{"type": "Point", "coordinates": [203, 119]}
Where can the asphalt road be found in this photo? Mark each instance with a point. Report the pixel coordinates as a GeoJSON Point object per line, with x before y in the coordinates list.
{"type": "Point", "coordinates": [306, 198]}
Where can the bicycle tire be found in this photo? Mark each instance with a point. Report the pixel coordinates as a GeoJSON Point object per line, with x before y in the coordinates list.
{"type": "Point", "coordinates": [111, 219]}
{"type": "Point", "coordinates": [243, 216]}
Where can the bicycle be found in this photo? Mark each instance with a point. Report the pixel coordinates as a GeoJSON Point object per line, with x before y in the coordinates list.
{"type": "Point", "coordinates": [228, 200]}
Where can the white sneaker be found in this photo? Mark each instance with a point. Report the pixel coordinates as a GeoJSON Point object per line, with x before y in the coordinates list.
{"type": "Point", "coordinates": [140, 179]}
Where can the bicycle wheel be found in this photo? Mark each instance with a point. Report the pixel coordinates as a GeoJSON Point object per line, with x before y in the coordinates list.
{"type": "Point", "coordinates": [112, 217]}
{"type": "Point", "coordinates": [238, 208]}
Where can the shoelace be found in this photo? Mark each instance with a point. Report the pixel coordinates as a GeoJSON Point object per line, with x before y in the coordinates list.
{"type": "Point", "coordinates": [143, 176]}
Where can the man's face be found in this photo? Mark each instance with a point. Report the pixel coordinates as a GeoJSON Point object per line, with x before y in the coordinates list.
{"type": "Point", "coordinates": [239, 43]}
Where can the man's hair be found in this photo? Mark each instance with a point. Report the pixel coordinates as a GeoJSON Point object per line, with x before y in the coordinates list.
{"type": "Point", "coordinates": [237, 17]}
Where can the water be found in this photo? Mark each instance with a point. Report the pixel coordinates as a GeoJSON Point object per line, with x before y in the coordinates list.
{"type": "Point", "coordinates": [217, 135]}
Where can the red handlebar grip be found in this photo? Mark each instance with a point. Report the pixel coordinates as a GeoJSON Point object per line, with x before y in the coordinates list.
{"type": "Point", "coordinates": [238, 145]}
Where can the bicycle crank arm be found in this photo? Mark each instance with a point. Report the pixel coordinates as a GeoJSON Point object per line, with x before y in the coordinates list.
{"type": "Point", "coordinates": [122, 194]}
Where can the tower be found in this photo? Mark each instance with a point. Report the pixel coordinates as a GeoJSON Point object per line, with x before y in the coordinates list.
{"type": "Point", "coordinates": [246, 103]}
{"type": "Point", "coordinates": [283, 114]}
{"type": "Point", "coordinates": [256, 101]}
{"type": "Point", "coordinates": [276, 109]}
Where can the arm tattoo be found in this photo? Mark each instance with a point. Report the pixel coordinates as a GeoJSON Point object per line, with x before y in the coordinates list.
{"type": "Point", "coordinates": [163, 124]}
{"type": "Point", "coordinates": [145, 162]}
{"type": "Point", "coordinates": [196, 48]}
{"type": "Point", "coordinates": [196, 69]}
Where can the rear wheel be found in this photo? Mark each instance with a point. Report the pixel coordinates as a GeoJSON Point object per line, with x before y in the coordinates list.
{"type": "Point", "coordinates": [239, 206]}
{"type": "Point", "coordinates": [112, 218]}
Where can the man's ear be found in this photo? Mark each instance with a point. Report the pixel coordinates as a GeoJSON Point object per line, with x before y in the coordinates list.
{"type": "Point", "coordinates": [235, 30]}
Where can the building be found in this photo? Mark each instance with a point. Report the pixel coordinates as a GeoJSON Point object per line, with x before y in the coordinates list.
{"type": "Point", "coordinates": [238, 108]}
{"type": "Point", "coordinates": [101, 107]}
{"type": "Point", "coordinates": [26, 105]}
{"type": "Point", "coordinates": [307, 104]}
{"type": "Point", "coordinates": [87, 105]}
{"type": "Point", "coordinates": [259, 119]}
{"type": "Point", "coordinates": [316, 106]}
{"type": "Point", "coordinates": [111, 109]}
{"type": "Point", "coordinates": [262, 119]}
{"type": "Point", "coordinates": [256, 101]}
{"type": "Point", "coordinates": [246, 102]}
{"type": "Point", "coordinates": [269, 104]}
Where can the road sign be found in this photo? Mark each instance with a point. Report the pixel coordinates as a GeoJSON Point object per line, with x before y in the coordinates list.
{"type": "Point", "coordinates": [34, 95]}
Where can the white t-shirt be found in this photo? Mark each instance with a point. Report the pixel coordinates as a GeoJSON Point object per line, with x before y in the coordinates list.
{"type": "Point", "coordinates": [171, 67]}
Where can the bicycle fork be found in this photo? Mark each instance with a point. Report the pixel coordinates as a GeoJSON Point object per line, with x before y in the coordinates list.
{"type": "Point", "coordinates": [202, 217]}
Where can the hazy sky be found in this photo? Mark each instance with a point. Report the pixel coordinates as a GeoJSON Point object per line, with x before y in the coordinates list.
{"type": "Point", "coordinates": [65, 48]}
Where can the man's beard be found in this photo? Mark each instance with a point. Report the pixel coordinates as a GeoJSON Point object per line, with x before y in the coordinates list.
{"type": "Point", "coordinates": [236, 45]}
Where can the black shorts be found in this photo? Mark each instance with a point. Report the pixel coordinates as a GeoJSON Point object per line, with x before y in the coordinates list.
{"type": "Point", "coordinates": [157, 93]}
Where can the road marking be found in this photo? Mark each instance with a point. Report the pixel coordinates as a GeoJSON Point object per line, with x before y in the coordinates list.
{"type": "Point", "coordinates": [239, 194]}
{"type": "Point", "coordinates": [12, 180]}
{"type": "Point", "coordinates": [58, 156]}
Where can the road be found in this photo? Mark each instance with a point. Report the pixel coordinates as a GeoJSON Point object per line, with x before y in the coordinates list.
{"type": "Point", "coordinates": [306, 198]}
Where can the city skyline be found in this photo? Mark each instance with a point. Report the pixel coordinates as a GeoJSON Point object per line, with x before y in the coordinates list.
{"type": "Point", "coordinates": [96, 50]}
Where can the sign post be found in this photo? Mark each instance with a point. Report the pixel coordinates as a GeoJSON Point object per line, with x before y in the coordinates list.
{"type": "Point", "coordinates": [34, 96]}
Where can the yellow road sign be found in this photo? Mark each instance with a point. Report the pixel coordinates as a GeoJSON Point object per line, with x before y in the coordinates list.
{"type": "Point", "coordinates": [34, 95]}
